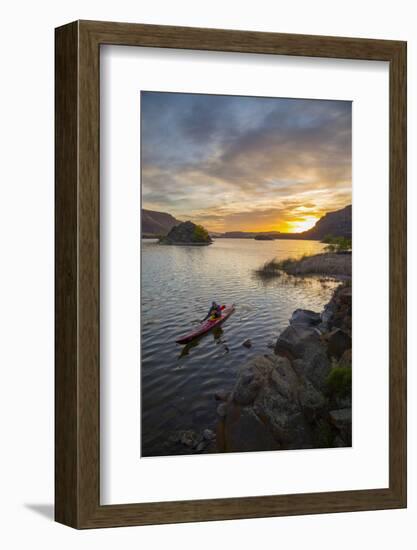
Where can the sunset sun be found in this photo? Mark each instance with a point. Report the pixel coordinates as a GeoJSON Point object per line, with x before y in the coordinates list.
{"type": "Point", "coordinates": [304, 224]}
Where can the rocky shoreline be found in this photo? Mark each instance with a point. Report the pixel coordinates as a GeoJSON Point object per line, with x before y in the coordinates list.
{"type": "Point", "coordinates": [296, 397]}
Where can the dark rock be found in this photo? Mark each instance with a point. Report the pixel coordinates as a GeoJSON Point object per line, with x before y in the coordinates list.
{"type": "Point", "coordinates": [222, 409]}
{"type": "Point", "coordinates": [279, 402]}
{"type": "Point", "coordinates": [247, 375]}
{"type": "Point", "coordinates": [247, 387]}
{"type": "Point", "coordinates": [338, 312]}
{"type": "Point", "coordinates": [341, 417]}
{"type": "Point", "coordinates": [244, 431]}
{"type": "Point", "coordinates": [305, 317]}
{"type": "Point", "coordinates": [338, 442]}
{"type": "Point", "coordinates": [342, 420]}
{"type": "Point", "coordinates": [327, 314]}
{"type": "Point", "coordinates": [346, 359]}
{"type": "Point", "coordinates": [312, 401]}
{"type": "Point", "coordinates": [209, 435]}
{"type": "Point", "coordinates": [322, 327]}
{"type": "Point", "coordinates": [314, 367]}
{"type": "Point", "coordinates": [222, 395]}
{"type": "Point", "coordinates": [323, 434]}
{"type": "Point", "coordinates": [341, 304]}
{"type": "Point", "coordinates": [293, 340]}
{"type": "Point", "coordinates": [247, 343]}
{"type": "Point", "coordinates": [305, 347]}
{"type": "Point", "coordinates": [344, 295]}
{"type": "Point", "coordinates": [338, 342]}
{"type": "Point", "coordinates": [283, 400]}
{"type": "Point", "coordinates": [343, 402]}
{"type": "Point", "coordinates": [189, 438]}
{"type": "Point", "coordinates": [202, 446]}
{"type": "Point", "coordinates": [187, 233]}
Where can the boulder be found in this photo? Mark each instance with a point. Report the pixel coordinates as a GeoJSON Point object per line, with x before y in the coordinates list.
{"type": "Point", "coordinates": [209, 435]}
{"type": "Point", "coordinates": [338, 442]}
{"type": "Point", "coordinates": [247, 343]}
{"type": "Point", "coordinates": [244, 431]}
{"type": "Point", "coordinates": [189, 438]}
{"type": "Point", "coordinates": [327, 314]}
{"type": "Point", "coordinates": [222, 409]}
{"type": "Point", "coordinates": [202, 446]}
{"type": "Point", "coordinates": [342, 421]}
{"type": "Point", "coordinates": [247, 386]}
{"type": "Point", "coordinates": [221, 395]}
{"type": "Point", "coordinates": [346, 359]}
{"type": "Point", "coordinates": [308, 353]}
{"type": "Point", "coordinates": [281, 399]}
{"type": "Point", "coordinates": [338, 342]}
{"type": "Point", "coordinates": [312, 401]}
{"type": "Point", "coordinates": [294, 340]}
{"type": "Point", "coordinates": [305, 317]}
{"type": "Point", "coordinates": [345, 295]}
{"type": "Point", "coordinates": [338, 312]}
{"type": "Point", "coordinates": [315, 368]}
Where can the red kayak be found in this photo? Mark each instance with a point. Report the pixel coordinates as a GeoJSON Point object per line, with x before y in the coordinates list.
{"type": "Point", "coordinates": [206, 326]}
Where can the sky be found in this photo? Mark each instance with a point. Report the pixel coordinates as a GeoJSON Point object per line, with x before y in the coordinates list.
{"type": "Point", "coordinates": [235, 163]}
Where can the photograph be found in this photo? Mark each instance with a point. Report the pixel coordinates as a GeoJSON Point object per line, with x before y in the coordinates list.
{"type": "Point", "coordinates": [246, 264]}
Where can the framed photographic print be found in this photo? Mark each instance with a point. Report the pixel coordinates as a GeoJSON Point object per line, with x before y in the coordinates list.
{"type": "Point", "coordinates": [230, 274]}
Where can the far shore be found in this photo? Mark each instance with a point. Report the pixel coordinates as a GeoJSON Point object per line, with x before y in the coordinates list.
{"type": "Point", "coordinates": [290, 237]}
{"type": "Point", "coordinates": [185, 244]}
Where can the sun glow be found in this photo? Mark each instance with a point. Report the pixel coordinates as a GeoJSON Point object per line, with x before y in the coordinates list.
{"type": "Point", "coordinates": [304, 224]}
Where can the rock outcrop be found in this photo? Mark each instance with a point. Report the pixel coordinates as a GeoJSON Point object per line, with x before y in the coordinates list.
{"type": "Point", "coordinates": [337, 224]}
{"type": "Point", "coordinates": [187, 233]}
{"type": "Point", "coordinates": [298, 397]}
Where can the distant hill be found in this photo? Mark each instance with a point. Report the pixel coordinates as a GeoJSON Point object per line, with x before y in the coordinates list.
{"type": "Point", "coordinates": [250, 234]}
{"type": "Point", "coordinates": [157, 223]}
{"type": "Point", "coordinates": [337, 224]}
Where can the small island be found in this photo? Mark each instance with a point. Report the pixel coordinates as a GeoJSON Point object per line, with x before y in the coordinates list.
{"type": "Point", "coordinates": [187, 234]}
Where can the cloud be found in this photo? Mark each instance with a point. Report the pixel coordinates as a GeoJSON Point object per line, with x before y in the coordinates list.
{"type": "Point", "coordinates": [226, 160]}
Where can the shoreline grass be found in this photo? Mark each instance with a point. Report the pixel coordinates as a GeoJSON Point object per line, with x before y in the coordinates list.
{"type": "Point", "coordinates": [330, 264]}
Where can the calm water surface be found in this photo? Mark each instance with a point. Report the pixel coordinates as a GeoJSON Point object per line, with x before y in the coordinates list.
{"type": "Point", "coordinates": [178, 285]}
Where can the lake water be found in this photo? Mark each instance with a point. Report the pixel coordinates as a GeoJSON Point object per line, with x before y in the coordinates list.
{"type": "Point", "coordinates": [179, 283]}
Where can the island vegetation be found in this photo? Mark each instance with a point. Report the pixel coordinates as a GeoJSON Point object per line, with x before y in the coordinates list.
{"type": "Point", "coordinates": [188, 234]}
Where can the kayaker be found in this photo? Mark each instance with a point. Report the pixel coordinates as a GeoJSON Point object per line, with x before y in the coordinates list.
{"type": "Point", "coordinates": [214, 312]}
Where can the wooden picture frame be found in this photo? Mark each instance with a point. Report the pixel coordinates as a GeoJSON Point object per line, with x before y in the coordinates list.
{"type": "Point", "coordinates": [77, 405]}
